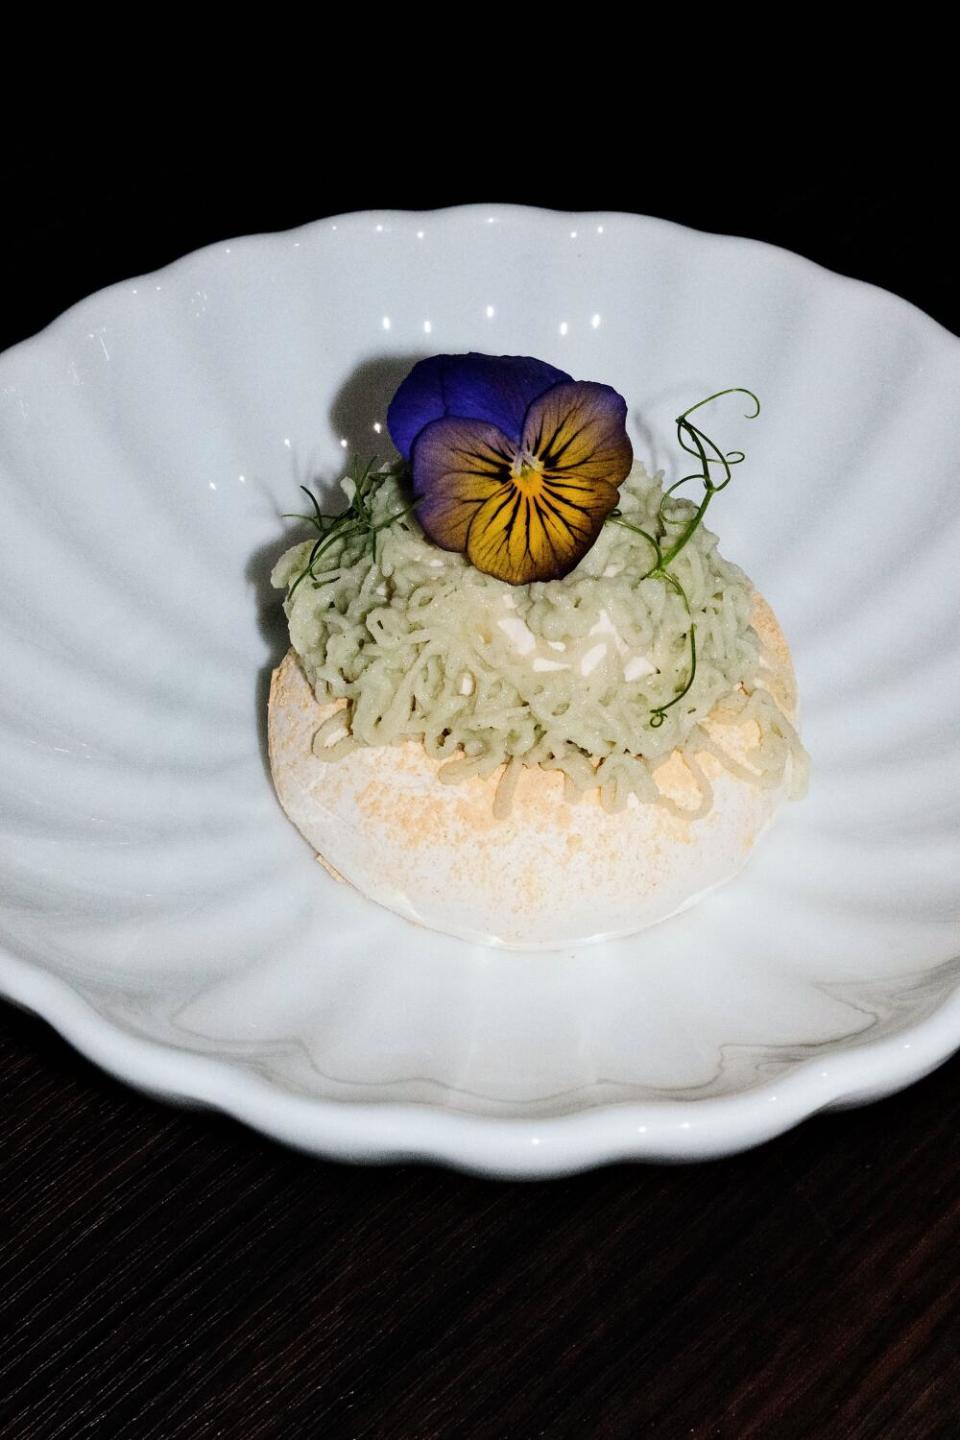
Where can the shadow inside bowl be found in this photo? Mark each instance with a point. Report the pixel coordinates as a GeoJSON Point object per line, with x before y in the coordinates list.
{"type": "Point", "coordinates": [272, 624]}
{"type": "Point", "coordinates": [366, 392]}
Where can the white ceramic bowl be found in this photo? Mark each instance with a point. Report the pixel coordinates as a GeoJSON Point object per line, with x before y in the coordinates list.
{"type": "Point", "coordinates": [159, 909]}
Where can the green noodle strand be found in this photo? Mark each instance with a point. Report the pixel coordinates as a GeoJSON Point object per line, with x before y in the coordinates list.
{"type": "Point", "coordinates": [411, 639]}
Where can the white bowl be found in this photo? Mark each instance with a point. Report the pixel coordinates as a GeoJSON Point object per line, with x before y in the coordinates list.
{"type": "Point", "coordinates": [162, 913]}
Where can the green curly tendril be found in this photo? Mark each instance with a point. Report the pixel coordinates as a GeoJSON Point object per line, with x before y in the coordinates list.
{"type": "Point", "coordinates": [357, 519]}
{"type": "Point", "coordinates": [702, 448]}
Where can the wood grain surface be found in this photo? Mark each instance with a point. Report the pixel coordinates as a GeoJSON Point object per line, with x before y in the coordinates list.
{"type": "Point", "coordinates": [170, 1276]}
{"type": "Point", "coordinates": [167, 1275]}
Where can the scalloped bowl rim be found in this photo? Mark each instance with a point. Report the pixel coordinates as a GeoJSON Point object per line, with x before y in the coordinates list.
{"type": "Point", "coordinates": [508, 1147]}
{"type": "Point", "coordinates": [512, 1148]}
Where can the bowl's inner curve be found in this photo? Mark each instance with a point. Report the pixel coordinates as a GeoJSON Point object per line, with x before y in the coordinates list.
{"type": "Point", "coordinates": [149, 443]}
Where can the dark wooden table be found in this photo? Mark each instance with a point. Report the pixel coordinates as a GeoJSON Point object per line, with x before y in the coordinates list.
{"type": "Point", "coordinates": [170, 1276]}
{"type": "Point", "coordinates": [166, 1275]}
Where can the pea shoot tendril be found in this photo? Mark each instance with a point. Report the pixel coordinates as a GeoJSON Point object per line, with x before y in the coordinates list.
{"type": "Point", "coordinates": [356, 520]}
{"type": "Point", "coordinates": [667, 547]}
{"type": "Point", "coordinates": [714, 473]}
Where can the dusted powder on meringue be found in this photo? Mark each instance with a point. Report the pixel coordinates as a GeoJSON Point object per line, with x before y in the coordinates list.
{"type": "Point", "coordinates": [548, 874]}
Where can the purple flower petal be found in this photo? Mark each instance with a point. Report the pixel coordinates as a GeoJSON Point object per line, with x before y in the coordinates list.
{"type": "Point", "coordinates": [578, 432]}
{"type": "Point", "coordinates": [532, 512]}
{"type": "Point", "coordinates": [457, 465]}
{"type": "Point", "coordinates": [497, 389]}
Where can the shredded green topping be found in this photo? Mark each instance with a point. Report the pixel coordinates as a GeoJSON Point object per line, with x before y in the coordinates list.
{"type": "Point", "coordinates": [701, 448]}
{"type": "Point", "coordinates": [600, 675]}
{"type": "Point", "coordinates": [356, 522]}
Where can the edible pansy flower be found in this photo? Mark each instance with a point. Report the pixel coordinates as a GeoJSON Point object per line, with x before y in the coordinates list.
{"type": "Point", "coordinates": [514, 463]}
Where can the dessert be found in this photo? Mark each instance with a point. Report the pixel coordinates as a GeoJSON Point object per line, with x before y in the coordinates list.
{"type": "Point", "coordinates": [527, 702]}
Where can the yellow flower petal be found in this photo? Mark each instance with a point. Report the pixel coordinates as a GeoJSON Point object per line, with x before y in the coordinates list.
{"type": "Point", "coordinates": [457, 465]}
{"type": "Point", "coordinates": [530, 512]}
{"type": "Point", "coordinates": [577, 430]}
{"type": "Point", "coordinates": [529, 531]}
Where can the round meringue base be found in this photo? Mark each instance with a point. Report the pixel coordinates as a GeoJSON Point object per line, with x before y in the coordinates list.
{"type": "Point", "coordinates": [549, 876]}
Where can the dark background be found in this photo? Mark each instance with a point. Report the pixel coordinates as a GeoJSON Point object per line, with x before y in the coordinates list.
{"type": "Point", "coordinates": [167, 1275]}
{"type": "Point", "coordinates": [81, 216]}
